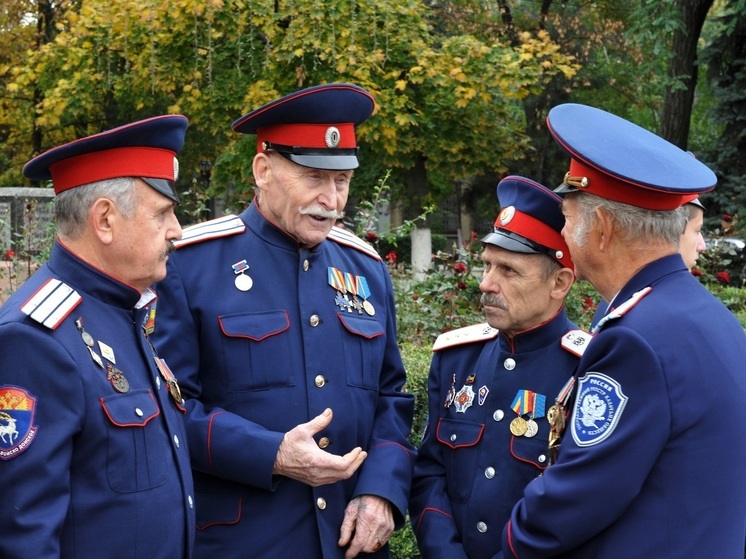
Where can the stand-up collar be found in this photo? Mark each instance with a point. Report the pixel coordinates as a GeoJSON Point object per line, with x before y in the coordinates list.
{"type": "Point", "coordinates": [538, 337]}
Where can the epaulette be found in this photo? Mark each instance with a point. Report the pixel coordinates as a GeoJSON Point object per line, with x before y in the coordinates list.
{"type": "Point", "coordinates": [214, 229]}
{"type": "Point", "coordinates": [466, 335]}
{"type": "Point", "coordinates": [344, 237]}
{"type": "Point", "coordinates": [52, 303]}
{"type": "Point", "coordinates": [622, 309]}
{"type": "Point", "coordinates": [575, 341]}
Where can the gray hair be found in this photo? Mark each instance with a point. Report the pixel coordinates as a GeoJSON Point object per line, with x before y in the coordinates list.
{"type": "Point", "coordinates": [71, 206]}
{"type": "Point", "coordinates": [634, 225]}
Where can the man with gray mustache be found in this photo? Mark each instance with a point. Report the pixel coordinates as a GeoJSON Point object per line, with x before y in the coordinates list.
{"type": "Point", "coordinates": [492, 387]}
{"type": "Point", "coordinates": [283, 330]}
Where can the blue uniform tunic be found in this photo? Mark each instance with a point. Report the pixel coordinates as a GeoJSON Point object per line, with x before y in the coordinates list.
{"type": "Point", "coordinates": [256, 363]}
{"type": "Point", "coordinates": [652, 462]}
{"type": "Point", "coordinates": [87, 470]}
{"type": "Point", "coordinates": [471, 469]}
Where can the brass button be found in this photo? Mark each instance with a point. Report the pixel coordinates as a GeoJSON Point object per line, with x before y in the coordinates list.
{"type": "Point", "coordinates": [321, 503]}
{"type": "Point", "coordinates": [319, 381]}
{"type": "Point", "coordinates": [323, 442]}
{"type": "Point", "coordinates": [314, 320]}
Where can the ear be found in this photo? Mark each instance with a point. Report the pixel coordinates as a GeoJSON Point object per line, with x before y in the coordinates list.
{"type": "Point", "coordinates": [261, 168]}
{"type": "Point", "coordinates": [604, 230]}
{"type": "Point", "coordinates": [102, 217]}
{"type": "Point", "coordinates": [563, 280]}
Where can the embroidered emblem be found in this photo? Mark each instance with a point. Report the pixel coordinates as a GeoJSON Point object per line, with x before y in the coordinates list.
{"type": "Point", "coordinates": [17, 429]}
{"type": "Point", "coordinates": [598, 408]}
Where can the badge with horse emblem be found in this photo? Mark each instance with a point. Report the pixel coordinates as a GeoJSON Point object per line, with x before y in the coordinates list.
{"type": "Point", "coordinates": [598, 407]}
{"type": "Point", "coordinates": [17, 429]}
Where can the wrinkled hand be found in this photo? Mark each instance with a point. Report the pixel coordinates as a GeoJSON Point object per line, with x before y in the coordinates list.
{"type": "Point", "coordinates": [300, 458]}
{"type": "Point", "coordinates": [367, 525]}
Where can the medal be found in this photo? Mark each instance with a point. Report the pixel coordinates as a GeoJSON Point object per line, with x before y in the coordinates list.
{"type": "Point", "coordinates": [364, 292]}
{"type": "Point", "coordinates": [116, 377]}
{"type": "Point", "coordinates": [170, 379]}
{"type": "Point", "coordinates": [518, 426]}
{"type": "Point", "coordinates": [89, 342]}
{"type": "Point", "coordinates": [242, 281]}
{"type": "Point", "coordinates": [369, 308]}
{"type": "Point", "coordinates": [483, 394]}
{"type": "Point", "coordinates": [451, 395]}
{"type": "Point", "coordinates": [465, 396]}
{"type": "Point", "coordinates": [532, 428]}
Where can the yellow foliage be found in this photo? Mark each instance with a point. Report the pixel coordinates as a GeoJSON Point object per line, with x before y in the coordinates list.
{"type": "Point", "coordinates": [401, 85]}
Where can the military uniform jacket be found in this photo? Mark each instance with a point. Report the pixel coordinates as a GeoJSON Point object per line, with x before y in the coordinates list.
{"type": "Point", "coordinates": [652, 462]}
{"type": "Point", "coordinates": [255, 363]}
{"type": "Point", "coordinates": [471, 469]}
{"type": "Point", "coordinates": [93, 457]}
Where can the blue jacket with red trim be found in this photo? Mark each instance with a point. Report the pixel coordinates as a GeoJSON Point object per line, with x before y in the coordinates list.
{"type": "Point", "coordinates": [652, 461]}
{"type": "Point", "coordinates": [255, 363]}
{"type": "Point", "coordinates": [471, 469]}
{"type": "Point", "coordinates": [93, 456]}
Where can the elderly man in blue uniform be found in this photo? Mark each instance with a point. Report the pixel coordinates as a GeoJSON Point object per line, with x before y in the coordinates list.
{"type": "Point", "coordinates": [651, 460]}
{"type": "Point", "coordinates": [491, 385]}
{"type": "Point", "coordinates": [284, 329]}
{"type": "Point", "coordinates": [93, 456]}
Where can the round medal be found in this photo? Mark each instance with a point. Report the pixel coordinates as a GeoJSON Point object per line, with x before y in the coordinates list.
{"type": "Point", "coordinates": [120, 383]}
{"type": "Point", "coordinates": [243, 282]}
{"type": "Point", "coordinates": [369, 308]}
{"type": "Point", "coordinates": [518, 426]}
{"type": "Point", "coordinates": [87, 338]}
{"type": "Point", "coordinates": [532, 428]}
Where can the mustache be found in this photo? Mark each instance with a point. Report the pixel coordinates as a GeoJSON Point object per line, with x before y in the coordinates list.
{"type": "Point", "coordinates": [168, 249]}
{"type": "Point", "coordinates": [492, 300]}
{"type": "Point", "coordinates": [317, 210]}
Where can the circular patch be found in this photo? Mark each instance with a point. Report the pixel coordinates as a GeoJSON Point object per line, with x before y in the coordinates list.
{"type": "Point", "coordinates": [332, 137]}
{"type": "Point", "coordinates": [507, 214]}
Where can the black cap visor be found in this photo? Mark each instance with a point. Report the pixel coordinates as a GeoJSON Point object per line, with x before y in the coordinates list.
{"type": "Point", "coordinates": [315, 158]}
{"type": "Point", "coordinates": [164, 186]}
{"type": "Point", "coordinates": [514, 242]}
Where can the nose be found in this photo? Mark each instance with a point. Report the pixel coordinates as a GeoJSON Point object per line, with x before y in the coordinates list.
{"type": "Point", "coordinates": [328, 194]}
{"type": "Point", "coordinates": [701, 246]}
{"type": "Point", "coordinates": [488, 284]}
{"type": "Point", "coordinates": [174, 232]}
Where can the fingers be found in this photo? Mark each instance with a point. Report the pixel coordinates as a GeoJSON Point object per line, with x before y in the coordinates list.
{"type": "Point", "coordinates": [367, 525]}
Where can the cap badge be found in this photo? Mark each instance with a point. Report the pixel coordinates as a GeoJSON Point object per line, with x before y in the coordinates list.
{"type": "Point", "coordinates": [332, 137]}
{"type": "Point", "coordinates": [576, 182]}
{"type": "Point", "coordinates": [559, 255]}
{"type": "Point", "coordinates": [506, 215]}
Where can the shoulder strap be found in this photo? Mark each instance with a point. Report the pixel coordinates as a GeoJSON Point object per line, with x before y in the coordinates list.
{"type": "Point", "coordinates": [213, 229]}
{"type": "Point", "coordinates": [344, 237]}
{"type": "Point", "coordinates": [467, 335]}
{"type": "Point", "coordinates": [52, 303]}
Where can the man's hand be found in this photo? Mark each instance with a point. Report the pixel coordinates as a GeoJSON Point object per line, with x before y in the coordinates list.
{"type": "Point", "coordinates": [367, 525]}
{"type": "Point", "coordinates": [300, 458]}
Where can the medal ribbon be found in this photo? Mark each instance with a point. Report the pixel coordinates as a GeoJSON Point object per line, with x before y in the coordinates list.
{"type": "Point", "coordinates": [336, 279]}
{"type": "Point", "coordinates": [351, 283]}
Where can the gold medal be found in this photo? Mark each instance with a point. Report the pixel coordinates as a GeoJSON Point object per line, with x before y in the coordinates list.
{"type": "Point", "coordinates": [369, 308]}
{"type": "Point", "coordinates": [518, 426]}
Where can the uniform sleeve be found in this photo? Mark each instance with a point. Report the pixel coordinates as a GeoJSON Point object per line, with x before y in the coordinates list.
{"type": "Point", "coordinates": [603, 462]}
{"type": "Point", "coordinates": [221, 443]}
{"type": "Point", "coordinates": [430, 506]}
{"type": "Point", "coordinates": [387, 471]}
{"type": "Point", "coordinates": [36, 474]}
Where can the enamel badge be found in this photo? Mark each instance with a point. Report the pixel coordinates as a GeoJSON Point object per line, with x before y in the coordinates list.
{"type": "Point", "coordinates": [598, 408]}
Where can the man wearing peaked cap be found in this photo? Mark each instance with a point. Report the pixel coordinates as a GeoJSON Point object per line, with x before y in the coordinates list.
{"type": "Point", "coordinates": [634, 476]}
{"type": "Point", "coordinates": [492, 385]}
{"type": "Point", "coordinates": [297, 421]}
{"type": "Point", "coordinates": [92, 446]}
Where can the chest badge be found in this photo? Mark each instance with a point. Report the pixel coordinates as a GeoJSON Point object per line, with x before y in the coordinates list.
{"type": "Point", "coordinates": [243, 282]}
{"type": "Point", "coordinates": [465, 397]}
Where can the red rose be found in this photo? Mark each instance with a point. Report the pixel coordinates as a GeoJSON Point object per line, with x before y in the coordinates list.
{"type": "Point", "coordinates": [723, 277]}
{"type": "Point", "coordinates": [391, 257]}
{"type": "Point", "coordinates": [461, 285]}
{"type": "Point", "coordinates": [9, 254]}
{"type": "Point", "coordinates": [696, 272]}
{"type": "Point", "coordinates": [415, 297]}
{"type": "Point", "coordinates": [459, 267]}
{"type": "Point", "coordinates": [371, 236]}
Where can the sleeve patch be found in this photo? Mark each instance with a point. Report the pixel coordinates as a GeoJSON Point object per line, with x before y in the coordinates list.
{"type": "Point", "coordinates": [17, 429]}
{"type": "Point", "coordinates": [598, 408]}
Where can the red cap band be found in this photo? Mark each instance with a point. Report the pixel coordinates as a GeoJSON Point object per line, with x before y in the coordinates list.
{"type": "Point", "coordinates": [154, 163]}
{"type": "Point", "coordinates": [537, 231]}
{"type": "Point", "coordinates": [606, 186]}
{"type": "Point", "coordinates": [308, 136]}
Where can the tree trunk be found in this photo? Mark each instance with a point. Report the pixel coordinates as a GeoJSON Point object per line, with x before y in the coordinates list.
{"type": "Point", "coordinates": [677, 103]}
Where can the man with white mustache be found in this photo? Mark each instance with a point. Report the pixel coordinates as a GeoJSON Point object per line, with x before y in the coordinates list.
{"type": "Point", "coordinates": [283, 330]}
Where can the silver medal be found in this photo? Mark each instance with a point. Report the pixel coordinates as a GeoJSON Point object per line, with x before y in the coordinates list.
{"type": "Point", "coordinates": [243, 282]}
